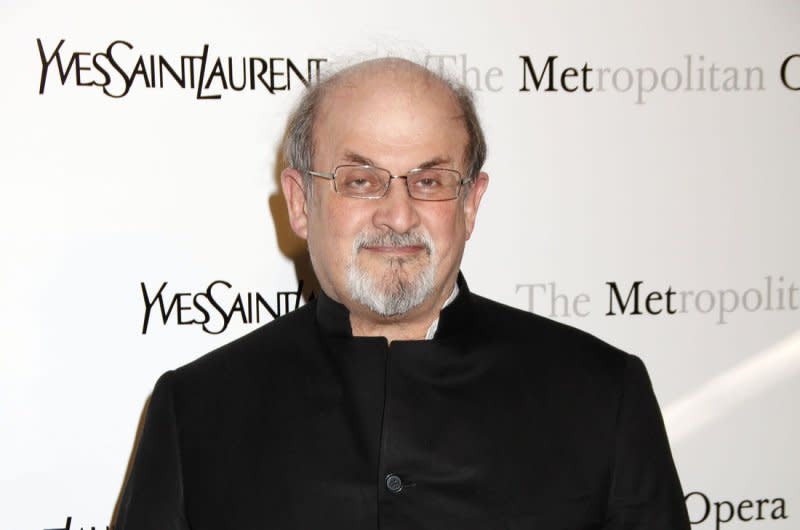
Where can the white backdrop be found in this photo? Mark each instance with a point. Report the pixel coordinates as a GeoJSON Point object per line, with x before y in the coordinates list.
{"type": "Point", "coordinates": [674, 163]}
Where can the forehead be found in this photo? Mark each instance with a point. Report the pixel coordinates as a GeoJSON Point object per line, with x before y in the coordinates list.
{"type": "Point", "coordinates": [390, 115]}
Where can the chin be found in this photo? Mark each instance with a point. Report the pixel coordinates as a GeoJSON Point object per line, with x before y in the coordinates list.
{"type": "Point", "coordinates": [394, 289]}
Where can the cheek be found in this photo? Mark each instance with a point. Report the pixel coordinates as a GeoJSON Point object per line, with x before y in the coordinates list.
{"type": "Point", "coordinates": [447, 228]}
{"type": "Point", "coordinates": [344, 221]}
{"type": "Point", "coordinates": [334, 227]}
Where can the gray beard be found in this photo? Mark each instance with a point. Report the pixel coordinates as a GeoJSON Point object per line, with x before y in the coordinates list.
{"type": "Point", "coordinates": [396, 291]}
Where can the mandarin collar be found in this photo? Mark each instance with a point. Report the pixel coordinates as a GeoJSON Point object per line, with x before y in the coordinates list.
{"type": "Point", "coordinates": [334, 318]}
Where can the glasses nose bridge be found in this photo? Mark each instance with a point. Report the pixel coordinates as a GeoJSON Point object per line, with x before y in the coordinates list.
{"type": "Point", "coordinates": [389, 183]}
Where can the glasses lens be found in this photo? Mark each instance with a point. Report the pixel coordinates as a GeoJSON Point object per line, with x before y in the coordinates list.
{"type": "Point", "coordinates": [434, 184]}
{"type": "Point", "coordinates": [361, 181]}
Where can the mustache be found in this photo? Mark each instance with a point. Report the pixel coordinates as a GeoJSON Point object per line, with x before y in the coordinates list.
{"type": "Point", "coordinates": [394, 239]}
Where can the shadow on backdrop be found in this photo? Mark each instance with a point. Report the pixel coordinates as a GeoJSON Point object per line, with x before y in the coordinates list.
{"type": "Point", "coordinates": [134, 446]}
{"type": "Point", "coordinates": [292, 247]}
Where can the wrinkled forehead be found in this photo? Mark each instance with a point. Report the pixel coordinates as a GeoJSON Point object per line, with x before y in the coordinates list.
{"type": "Point", "coordinates": [396, 104]}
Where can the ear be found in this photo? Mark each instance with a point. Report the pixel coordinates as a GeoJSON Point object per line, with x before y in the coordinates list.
{"type": "Point", "coordinates": [473, 201]}
{"type": "Point", "coordinates": [294, 193]}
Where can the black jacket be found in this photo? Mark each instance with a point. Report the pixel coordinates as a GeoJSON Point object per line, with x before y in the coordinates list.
{"type": "Point", "coordinates": [505, 420]}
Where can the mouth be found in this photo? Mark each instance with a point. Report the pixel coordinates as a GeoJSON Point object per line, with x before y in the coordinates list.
{"type": "Point", "coordinates": [395, 246]}
{"type": "Point", "coordinates": [396, 250]}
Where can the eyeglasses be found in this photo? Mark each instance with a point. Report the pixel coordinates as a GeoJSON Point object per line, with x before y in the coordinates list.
{"type": "Point", "coordinates": [367, 182]}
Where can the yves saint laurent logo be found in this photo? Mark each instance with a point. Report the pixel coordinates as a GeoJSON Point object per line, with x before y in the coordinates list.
{"type": "Point", "coordinates": [215, 307]}
{"type": "Point", "coordinates": [118, 69]}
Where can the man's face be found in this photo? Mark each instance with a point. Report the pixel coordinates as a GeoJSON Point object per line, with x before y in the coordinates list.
{"type": "Point", "coordinates": [395, 255]}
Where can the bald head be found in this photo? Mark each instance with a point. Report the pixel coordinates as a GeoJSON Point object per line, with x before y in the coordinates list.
{"type": "Point", "coordinates": [395, 67]}
{"type": "Point", "coordinates": [391, 80]}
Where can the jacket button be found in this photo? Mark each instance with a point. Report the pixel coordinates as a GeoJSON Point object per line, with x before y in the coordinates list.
{"type": "Point", "coordinates": [394, 483]}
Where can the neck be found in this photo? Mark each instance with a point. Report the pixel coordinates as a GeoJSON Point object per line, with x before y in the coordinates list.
{"type": "Point", "coordinates": [391, 330]}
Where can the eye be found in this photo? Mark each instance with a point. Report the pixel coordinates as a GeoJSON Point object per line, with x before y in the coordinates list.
{"type": "Point", "coordinates": [359, 181]}
{"type": "Point", "coordinates": [428, 182]}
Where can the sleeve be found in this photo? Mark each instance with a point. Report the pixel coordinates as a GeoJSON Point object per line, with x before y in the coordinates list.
{"type": "Point", "coordinates": [152, 498]}
{"type": "Point", "coordinates": [645, 491]}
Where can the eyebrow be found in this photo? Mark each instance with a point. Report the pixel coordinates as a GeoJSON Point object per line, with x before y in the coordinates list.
{"type": "Point", "coordinates": [355, 158]}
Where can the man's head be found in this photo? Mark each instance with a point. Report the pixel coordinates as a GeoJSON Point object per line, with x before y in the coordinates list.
{"type": "Point", "coordinates": [393, 256]}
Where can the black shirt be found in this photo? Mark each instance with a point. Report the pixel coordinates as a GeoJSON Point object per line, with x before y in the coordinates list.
{"type": "Point", "coordinates": [505, 420]}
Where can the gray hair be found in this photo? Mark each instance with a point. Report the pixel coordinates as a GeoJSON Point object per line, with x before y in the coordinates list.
{"type": "Point", "coordinates": [298, 145]}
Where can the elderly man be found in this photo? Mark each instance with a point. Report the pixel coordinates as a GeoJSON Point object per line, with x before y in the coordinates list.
{"type": "Point", "coordinates": [398, 399]}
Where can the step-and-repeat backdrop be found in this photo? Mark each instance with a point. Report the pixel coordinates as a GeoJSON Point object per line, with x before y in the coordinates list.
{"type": "Point", "coordinates": [644, 187]}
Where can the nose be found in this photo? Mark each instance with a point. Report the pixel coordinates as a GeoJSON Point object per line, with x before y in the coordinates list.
{"type": "Point", "coordinates": [396, 210]}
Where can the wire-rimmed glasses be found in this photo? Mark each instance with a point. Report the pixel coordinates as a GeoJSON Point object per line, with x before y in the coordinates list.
{"type": "Point", "coordinates": [368, 182]}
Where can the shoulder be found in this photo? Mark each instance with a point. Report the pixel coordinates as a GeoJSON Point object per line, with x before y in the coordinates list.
{"type": "Point", "coordinates": [546, 342]}
{"type": "Point", "coordinates": [257, 352]}
{"type": "Point", "coordinates": [500, 320]}
{"type": "Point", "coordinates": [582, 373]}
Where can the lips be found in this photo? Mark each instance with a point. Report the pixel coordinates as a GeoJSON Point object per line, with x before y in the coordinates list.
{"type": "Point", "coordinates": [394, 243]}
{"type": "Point", "coordinates": [406, 249]}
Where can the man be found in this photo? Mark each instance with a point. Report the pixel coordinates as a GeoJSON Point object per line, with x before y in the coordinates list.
{"type": "Point", "coordinates": [398, 399]}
